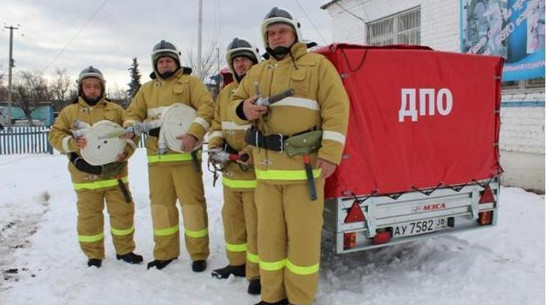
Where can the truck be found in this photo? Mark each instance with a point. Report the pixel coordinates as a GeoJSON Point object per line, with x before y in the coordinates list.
{"type": "Point", "coordinates": [421, 155]}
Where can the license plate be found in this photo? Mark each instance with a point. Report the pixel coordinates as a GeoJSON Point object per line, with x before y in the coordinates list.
{"type": "Point", "coordinates": [419, 227]}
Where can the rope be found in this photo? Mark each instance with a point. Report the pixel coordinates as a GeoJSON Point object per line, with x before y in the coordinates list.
{"type": "Point", "coordinates": [360, 64]}
{"type": "Point", "coordinates": [486, 185]}
{"type": "Point", "coordinates": [427, 193]}
{"type": "Point", "coordinates": [456, 188]}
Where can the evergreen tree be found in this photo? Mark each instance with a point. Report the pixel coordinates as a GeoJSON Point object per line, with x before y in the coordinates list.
{"type": "Point", "coordinates": [135, 84]}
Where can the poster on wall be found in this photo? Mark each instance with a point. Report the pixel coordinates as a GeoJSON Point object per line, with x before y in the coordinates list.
{"type": "Point", "coordinates": [513, 29]}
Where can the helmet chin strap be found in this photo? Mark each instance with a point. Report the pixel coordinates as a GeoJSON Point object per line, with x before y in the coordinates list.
{"type": "Point", "coordinates": [168, 74]}
{"type": "Point", "coordinates": [279, 52]}
{"type": "Point", "coordinates": [91, 101]}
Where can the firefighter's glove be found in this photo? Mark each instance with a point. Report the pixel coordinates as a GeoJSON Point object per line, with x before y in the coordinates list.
{"type": "Point", "coordinates": [113, 169]}
{"type": "Point", "coordinates": [247, 160]}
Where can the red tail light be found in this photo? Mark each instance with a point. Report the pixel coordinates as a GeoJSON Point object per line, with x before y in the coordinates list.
{"type": "Point", "coordinates": [486, 218]}
{"type": "Point", "coordinates": [349, 240]}
{"type": "Point", "coordinates": [355, 213]}
{"type": "Point", "coordinates": [381, 237]}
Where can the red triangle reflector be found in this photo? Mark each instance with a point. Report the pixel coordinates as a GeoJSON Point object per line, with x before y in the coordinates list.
{"type": "Point", "coordinates": [355, 213]}
{"type": "Point", "coordinates": [487, 196]}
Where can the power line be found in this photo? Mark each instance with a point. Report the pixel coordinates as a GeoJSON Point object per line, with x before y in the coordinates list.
{"type": "Point", "coordinates": [363, 5]}
{"type": "Point", "coordinates": [311, 21]}
{"type": "Point", "coordinates": [75, 36]}
{"type": "Point", "coordinates": [357, 17]}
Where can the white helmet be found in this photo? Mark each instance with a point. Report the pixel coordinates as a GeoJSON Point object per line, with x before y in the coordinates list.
{"type": "Point", "coordinates": [91, 72]}
{"type": "Point", "coordinates": [241, 47]}
{"type": "Point", "coordinates": [162, 49]}
{"type": "Point", "coordinates": [279, 15]}
{"type": "Point", "coordinates": [88, 73]}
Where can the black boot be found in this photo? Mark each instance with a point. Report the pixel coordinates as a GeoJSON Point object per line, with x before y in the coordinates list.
{"type": "Point", "coordinates": [199, 265]}
{"type": "Point", "coordinates": [281, 302]}
{"type": "Point", "coordinates": [130, 258]}
{"type": "Point", "coordinates": [94, 262]}
{"type": "Point", "coordinates": [160, 264]}
{"type": "Point", "coordinates": [223, 273]}
{"type": "Point", "coordinates": [254, 287]}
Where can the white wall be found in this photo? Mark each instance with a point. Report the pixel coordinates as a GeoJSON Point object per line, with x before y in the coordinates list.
{"type": "Point", "coordinates": [522, 127]}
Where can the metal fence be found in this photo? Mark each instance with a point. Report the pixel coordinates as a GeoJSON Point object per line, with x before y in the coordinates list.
{"type": "Point", "coordinates": [24, 140]}
{"type": "Point", "coordinates": [31, 140]}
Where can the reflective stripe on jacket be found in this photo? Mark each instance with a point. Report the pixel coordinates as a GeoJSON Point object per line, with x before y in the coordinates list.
{"type": "Point", "coordinates": [320, 102]}
{"type": "Point", "coordinates": [224, 130]}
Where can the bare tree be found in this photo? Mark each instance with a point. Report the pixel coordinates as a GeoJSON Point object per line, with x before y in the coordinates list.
{"type": "Point", "coordinates": [60, 88]}
{"type": "Point", "coordinates": [210, 60]}
{"type": "Point", "coordinates": [30, 92]}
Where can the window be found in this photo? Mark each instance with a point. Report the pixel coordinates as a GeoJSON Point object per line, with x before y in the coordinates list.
{"type": "Point", "coordinates": [534, 83]}
{"type": "Point", "coordinates": [402, 28]}
{"type": "Point", "coordinates": [522, 85]}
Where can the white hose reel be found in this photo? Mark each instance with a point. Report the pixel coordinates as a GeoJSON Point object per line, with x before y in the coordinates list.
{"type": "Point", "coordinates": [102, 151]}
{"type": "Point", "coordinates": [176, 120]}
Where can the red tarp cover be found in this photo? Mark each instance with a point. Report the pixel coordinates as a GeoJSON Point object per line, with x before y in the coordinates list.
{"type": "Point", "coordinates": [386, 153]}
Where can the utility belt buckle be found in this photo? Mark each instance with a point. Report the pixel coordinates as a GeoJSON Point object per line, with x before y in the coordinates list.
{"type": "Point", "coordinates": [281, 139]}
{"type": "Point", "coordinates": [257, 136]}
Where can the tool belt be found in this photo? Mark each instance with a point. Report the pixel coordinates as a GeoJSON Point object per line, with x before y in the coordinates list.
{"type": "Point", "coordinates": [273, 142]}
{"type": "Point", "coordinates": [300, 143]}
{"type": "Point", "coordinates": [83, 166]}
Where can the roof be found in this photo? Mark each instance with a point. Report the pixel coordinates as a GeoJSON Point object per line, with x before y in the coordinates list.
{"type": "Point", "coordinates": [326, 5]}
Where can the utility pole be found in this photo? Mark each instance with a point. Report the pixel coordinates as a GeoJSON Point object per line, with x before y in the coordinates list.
{"type": "Point", "coordinates": [218, 59]}
{"type": "Point", "coordinates": [11, 28]}
{"type": "Point", "coordinates": [199, 37]}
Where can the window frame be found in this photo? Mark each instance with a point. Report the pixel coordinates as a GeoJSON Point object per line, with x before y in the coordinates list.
{"type": "Point", "coordinates": [394, 31]}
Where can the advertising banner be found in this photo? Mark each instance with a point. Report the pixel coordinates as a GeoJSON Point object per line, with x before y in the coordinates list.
{"type": "Point", "coordinates": [513, 29]}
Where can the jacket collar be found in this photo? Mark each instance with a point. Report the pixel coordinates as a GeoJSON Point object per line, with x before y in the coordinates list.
{"type": "Point", "coordinates": [297, 50]}
{"type": "Point", "coordinates": [84, 104]}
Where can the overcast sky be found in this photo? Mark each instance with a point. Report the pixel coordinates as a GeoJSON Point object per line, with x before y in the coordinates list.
{"type": "Point", "coordinates": [107, 34]}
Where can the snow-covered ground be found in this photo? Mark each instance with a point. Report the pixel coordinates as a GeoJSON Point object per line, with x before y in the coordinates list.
{"type": "Point", "coordinates": [41, 262]}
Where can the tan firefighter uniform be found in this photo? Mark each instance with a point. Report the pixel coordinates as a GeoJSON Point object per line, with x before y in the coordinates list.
{"type": "Point", "coordinates": [93, 190]}
{"type": "Point", "coordinates": [289, 223]}
{"type": "Point", "coordinates": [239, 210]}
{"type": "Point", "coordinates": [172, 175]}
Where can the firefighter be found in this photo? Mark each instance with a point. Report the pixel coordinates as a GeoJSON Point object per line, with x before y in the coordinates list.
{"type": "Point", "coordinates": [239, 211]}
{"type": "Point", "coordinates": [175, 175]}
{"type": "Point", "coordinates": [289, 198]}
{"type": "Point", "coordinates": [96, 184]}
